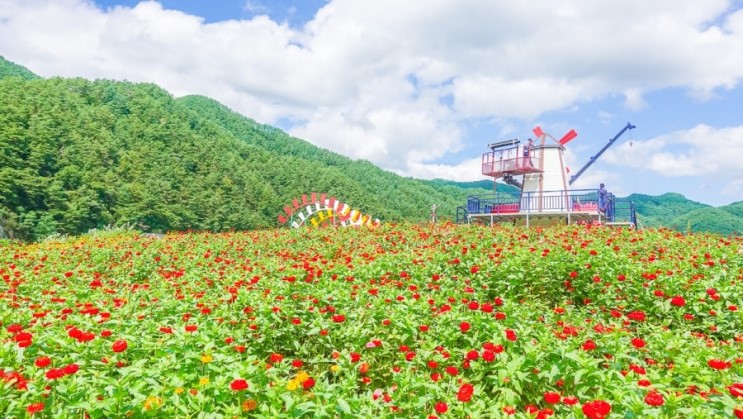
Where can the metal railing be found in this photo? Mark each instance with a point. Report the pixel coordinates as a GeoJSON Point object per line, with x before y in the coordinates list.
{"type": "Point", "coordinates": [563, 201]}
{"type": "Point", "coordinates": [491, 164]}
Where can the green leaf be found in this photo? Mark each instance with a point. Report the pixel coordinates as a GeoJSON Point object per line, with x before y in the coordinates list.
{"type": "Point", "coordinates": [343, 406]}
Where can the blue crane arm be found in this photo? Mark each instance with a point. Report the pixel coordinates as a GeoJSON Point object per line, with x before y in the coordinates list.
{"type": "Point", "coordinates": [594, 158]}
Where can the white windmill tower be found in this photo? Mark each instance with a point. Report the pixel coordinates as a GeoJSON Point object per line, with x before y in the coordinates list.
{"type": "Point", "coordinates": [545, 190]}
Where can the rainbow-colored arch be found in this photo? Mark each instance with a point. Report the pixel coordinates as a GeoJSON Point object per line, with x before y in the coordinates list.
{"type": "Point", "coordinates": [320, 210]}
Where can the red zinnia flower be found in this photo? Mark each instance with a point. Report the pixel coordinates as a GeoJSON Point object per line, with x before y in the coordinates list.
{"type": "Point", "coordinates": [589, 345]}
{"type": "Point", "coordinates": [654, 399]}
{"type": "Point", "coordinates": [510, 335]}
{"type": "Point", "coordinates": [638, 369]}
{"type": "Point", "coordinates": [239, 385]}
{"type": "Point", "coordinates": [71, 369]}
{"type": "Point", "coordinates": [718, 364]}
{"type": "Point", "coordinates": [54, 373]}
{"type": "Point", "coordinates": [678, 301]}
{"type": "Point", "coordinates": [637, 316]}
{"type": "Point", "coordinates": [119, 345]}
{"type": "Point", "coordinates": [464, 327]}
{"type": "Point", "coordinates": [552, 397]}
{"type": "Point", "coordinates": [308, 383]}
{"type": "Point", "coordinates": [736, 390]}
{"type": "Point", "coordinates": [441, 408]}
{"type": "Point", "coordinates": [42, 362]}
{"type": "Point", "coordinates": [597, 409]}
{"type": "Point", "coordinates": [465, 392]}
{"type": "Point", "coordinates": [275, 358]}
{"type": "Point", "coordinates": [638, 343]}
{"type": "Point", "coordinates": [35, 408]}
{"type": "Point", "coordinates": [14, 376]}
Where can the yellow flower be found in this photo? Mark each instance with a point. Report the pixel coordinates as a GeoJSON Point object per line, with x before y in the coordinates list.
{"type": "Point", "coordinates": [249, 405]}
{"type": "Point", "coordinates": [204, 381]}
{"type": "Point", "coordinates": [206, 359]}
{"type": "Point", "coordinates": [152, 402]}
{"type": "Point", "coordinates": [292, 385]}
{"type": "Point", "coordinates": [302, 376]}
{"type": "Point", "coordinates": [335, 368]}
{"type": "Point", "coordinates": [179, 390]}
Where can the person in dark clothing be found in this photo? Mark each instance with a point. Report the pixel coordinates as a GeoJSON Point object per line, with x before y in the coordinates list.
{"type": "Point", "coordinates": [527, 153]}
{"type": "Point", "coordinates": [602, 198]}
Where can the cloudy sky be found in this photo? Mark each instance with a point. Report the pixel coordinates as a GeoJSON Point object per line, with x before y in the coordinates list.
{"type": "Point", "coordinates": [421, 87]}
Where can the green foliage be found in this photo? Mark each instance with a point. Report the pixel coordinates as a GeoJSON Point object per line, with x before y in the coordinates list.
{"type": "Point", "coordinates": [79, 155]}
{"type": "Point", "coordinates": [660, 210]}
{"type": "Point", "coordinates": [9, 69]}
{"type": "Point", "coordinates": [675, 211]}
{"type": "Point", "coordinates": [709, 219]}
{"type": "Point", "coordinates": [404, 320]}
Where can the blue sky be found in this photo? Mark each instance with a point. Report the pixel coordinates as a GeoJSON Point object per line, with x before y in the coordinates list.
{"type": "Point", "coordinates": [420, 88]}
{"type": "Point", "coordinates": [293, 12]}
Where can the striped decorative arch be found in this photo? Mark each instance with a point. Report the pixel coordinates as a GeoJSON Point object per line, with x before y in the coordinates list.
{"type": "Point", "coordinates": [316, 210]}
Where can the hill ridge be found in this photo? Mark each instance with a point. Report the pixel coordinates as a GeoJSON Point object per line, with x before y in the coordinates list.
{"type": "Point", "coordinates": [85, 154]}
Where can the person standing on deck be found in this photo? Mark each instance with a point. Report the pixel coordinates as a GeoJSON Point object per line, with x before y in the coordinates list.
{"type": "Point", "coordinates": [527, 153]}
{"type": "Point", "coordinates": [602, 198]}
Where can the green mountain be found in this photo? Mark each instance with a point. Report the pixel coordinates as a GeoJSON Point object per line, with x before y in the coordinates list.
{"type": "Point", "coordinates": [481, 184]}
{"type": "Point", "coordinates": [79, 154]}
{"type": "Point", "coordinates": [715, 220]}
{"type": "Point", "coordinates": [9, 69]}
{"type": "Point", "coordinates": [736, 209]}
{"type": "Point", "coordinates": [84, 154]}
{"type": "Point", "coordinates": [657, 211]}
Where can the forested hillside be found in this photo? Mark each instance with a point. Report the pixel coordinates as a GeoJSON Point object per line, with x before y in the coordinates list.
{"type": "Point", "coordinates": [724, 220]}
{"type": "Point", "coordinates": [80, 154]}
{"type": "Point", "coordinates": [8, 69]}
{"type": "Point", "coordinates": [661, 210]}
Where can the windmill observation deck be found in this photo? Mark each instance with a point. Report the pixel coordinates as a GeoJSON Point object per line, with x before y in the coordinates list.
{"type": "Point", "coordinates": [537, 168]}
{"type": "Point", "coordinates": [494, 164]}
{"type": "Point", "coordinates": [549, 208]}
{"type": "Point", "coordinates": [506, 158]}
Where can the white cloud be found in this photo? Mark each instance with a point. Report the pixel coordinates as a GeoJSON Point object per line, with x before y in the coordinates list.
{"type": "Point", "coordinates": [710, 154]}
{"type": "Point", "coordinates": [633, 100]}
{"type": "Point", "coordinates": [253, 6]}
{"type": "Point", "coordinates": [396, 82]}
{"type": "Point", "coordinates": [467, 170]}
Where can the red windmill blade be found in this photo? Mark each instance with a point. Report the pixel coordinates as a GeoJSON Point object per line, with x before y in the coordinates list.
{"type": "Point", "coordinates": [567, 137]}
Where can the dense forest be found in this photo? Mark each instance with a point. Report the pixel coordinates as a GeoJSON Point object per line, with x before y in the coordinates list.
{"type": "Point", "coordinates": [78, 154]}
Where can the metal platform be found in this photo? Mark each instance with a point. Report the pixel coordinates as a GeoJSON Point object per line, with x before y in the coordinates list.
{"type": "Point", "coordinates": [528, 218]}
{"type": "Point", "coordinates": [493, 165]}
{"type": "Point", "coordinates": [547, 208]}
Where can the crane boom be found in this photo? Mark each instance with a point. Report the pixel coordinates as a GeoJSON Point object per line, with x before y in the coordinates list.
{"type": "Point", "coordinates": [594, 158]}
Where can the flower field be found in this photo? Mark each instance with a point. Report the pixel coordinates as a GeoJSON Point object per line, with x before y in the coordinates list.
{"type": "Point", "coordinates": [403, 320]}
